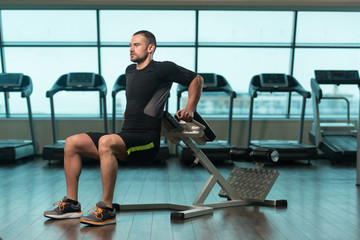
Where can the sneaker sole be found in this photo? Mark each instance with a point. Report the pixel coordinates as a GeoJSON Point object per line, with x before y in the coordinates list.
{"type": "Point", "coordinates": [107, 222]}
{"type": "Point", "coordinates": [64, 216]}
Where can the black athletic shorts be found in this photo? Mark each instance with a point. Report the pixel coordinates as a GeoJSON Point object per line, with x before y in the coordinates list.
{"type": "Point", "coordinates": [141, 147]}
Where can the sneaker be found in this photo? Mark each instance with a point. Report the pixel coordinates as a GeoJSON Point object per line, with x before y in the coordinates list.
{"type": "Point", "coordinates": [100, 215]}
{"type": "Point", "coordinates": [64, 209]}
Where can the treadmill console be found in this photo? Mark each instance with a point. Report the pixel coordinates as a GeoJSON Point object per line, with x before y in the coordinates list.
{"type": "Point", "coordinates": [10, 80]}
{"type": "Point", "coordinates": [337, 76]}
{"type": "Point", "coordinates": [80, 79]}
{"type": "Point", "coordinates": [273, 80]}
{"type": "Point", "coordinates": [210, 80]}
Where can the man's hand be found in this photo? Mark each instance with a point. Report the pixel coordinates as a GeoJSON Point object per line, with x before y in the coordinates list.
{"type": "Point", "coordinates": [185, 115]}
{"type": "Point", "coordinates": [195, 89]}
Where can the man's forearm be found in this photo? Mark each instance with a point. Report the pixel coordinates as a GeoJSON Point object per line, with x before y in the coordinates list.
{"type": "Point", "coordinates": [195, 89]}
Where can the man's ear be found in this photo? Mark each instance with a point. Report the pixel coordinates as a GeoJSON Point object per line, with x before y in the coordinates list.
{"type": "Point", "coordinates": [151, 48]}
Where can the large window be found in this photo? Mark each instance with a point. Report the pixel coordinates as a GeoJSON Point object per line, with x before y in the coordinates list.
{"type": "Point", "coordinates": [45, 65]}
{"type": "Point", "coordinates": [48, 27]}
{"type": "Point", "coordinates": [328, 41]}
{"type": "Point", "coordinates": [245, 28]}
{"type": "Point", "coordinates": [235, 44]}
{"type": "Point", "coordinates": [46, 44]}
{"type": "Point", "coordinates": [169, 27]}
{"type": "Point", "coordinates": [328, 28]}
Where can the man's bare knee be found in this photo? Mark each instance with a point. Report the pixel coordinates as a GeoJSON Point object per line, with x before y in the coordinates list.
{"type": "Point", "coordinates": [70, 143]}
{"type": "Point", "coordinates": [106, 142]}
{"type": "Point", "coordinates": [81, 144]}
{"type": "Point", "coordinates": [73, 142]}
{"type": "Point", "coordinates": [112, 144]}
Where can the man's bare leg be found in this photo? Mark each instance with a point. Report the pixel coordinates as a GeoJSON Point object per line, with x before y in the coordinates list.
{"type": "Point", "coordinates": [75, 146]}
{"type": "Point", "coordinates": [111, 147]}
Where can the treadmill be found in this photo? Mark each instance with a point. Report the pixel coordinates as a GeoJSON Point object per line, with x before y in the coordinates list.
{"type": "Point", "coordinates": [75, 81]}
{"type": "Point", "coordinates": [288, 150]}
{"type": "Point", "coordinates": [337, 140]}
{"type": "Point", "coordinates": [218, 150]}
{"type": "Point", "coordinates": [120, 85]}
{"type": "Point", "coordinates": [13, 149]}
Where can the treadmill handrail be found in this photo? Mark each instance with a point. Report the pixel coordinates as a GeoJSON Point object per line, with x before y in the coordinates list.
{"type": "Point", "coordinates": [60, 85]}
{"type": "Point", "coordinates": [26, 87]}
{"type": "Point", "coordinates": [226, 89]}
{"type": "Point", "coordinates": [223, 86]}
{"type": "Point", "coordinates": [26, 92]}
{"type": "Point", "coordinates": [119, 85]}
{"type": "Point", "coordinates": [316, 89]}
{"type": "Point", "coordinates": [347, 105]}
{"type": "Point", "coordinates": [295, 86]}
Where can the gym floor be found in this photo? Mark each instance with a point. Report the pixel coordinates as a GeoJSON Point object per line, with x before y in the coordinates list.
{"type": "Point", "coordinates": [323, 203]}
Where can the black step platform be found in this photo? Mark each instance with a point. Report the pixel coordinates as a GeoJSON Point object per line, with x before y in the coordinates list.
{"type": "Point", "coordinates": [288, 150]}
{"type": "Point", "coordinates": [54, 151]}
{"type": "Point", "coordinates": [16, 148]}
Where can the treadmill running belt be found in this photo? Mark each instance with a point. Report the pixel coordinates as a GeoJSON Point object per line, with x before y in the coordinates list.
{"type": "Point", "coordinates": [344, 144]}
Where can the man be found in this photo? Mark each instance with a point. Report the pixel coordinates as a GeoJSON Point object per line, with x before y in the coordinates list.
{"type": "Point", "coordinates": [148, 83]}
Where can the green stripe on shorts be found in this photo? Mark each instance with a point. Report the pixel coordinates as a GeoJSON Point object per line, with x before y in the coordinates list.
{"type": "Point", "coordinates": [140, 148]}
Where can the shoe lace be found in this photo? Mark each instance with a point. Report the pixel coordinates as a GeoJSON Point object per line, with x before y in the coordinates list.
{"type": "Point", "coordinates": [60, 204]}
{"type": "Point", "coordinates": [98, 212]}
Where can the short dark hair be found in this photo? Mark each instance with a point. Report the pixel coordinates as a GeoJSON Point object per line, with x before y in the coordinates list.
{"type": "Point", "coordinates": [148, 35]}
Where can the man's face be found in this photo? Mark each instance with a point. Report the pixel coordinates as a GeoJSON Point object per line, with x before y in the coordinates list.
{"type": "Point", "coordinates": [139, 49]}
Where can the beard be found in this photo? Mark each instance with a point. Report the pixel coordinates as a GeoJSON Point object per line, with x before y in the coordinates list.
{"type": "Point", "coordinates": [138, 60]}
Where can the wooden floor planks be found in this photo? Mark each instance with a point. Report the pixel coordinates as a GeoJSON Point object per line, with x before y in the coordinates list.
{"type": "Point", "coordinates": [323, 203]}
